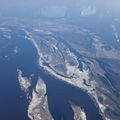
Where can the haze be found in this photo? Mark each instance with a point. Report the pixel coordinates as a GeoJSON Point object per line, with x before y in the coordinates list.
{"type": "Point", "coordinates": [29, 5]}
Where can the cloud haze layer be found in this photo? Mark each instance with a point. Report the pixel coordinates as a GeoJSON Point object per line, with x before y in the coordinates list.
{"type": "Point", "coordinates": [112, 5]}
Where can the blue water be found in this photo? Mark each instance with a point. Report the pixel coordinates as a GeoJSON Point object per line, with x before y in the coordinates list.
{"type": "Point", "coordinates": [13, 103]}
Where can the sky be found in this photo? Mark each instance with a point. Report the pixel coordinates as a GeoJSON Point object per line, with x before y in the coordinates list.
{"type": "Point", "coordinates": [109, 3]}
{"type": "Point", "coordinates": [113, 5]}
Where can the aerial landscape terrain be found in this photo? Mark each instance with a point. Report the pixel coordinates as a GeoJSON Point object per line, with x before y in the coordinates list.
{"type": "Point", "coordinates": [60, 63]}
